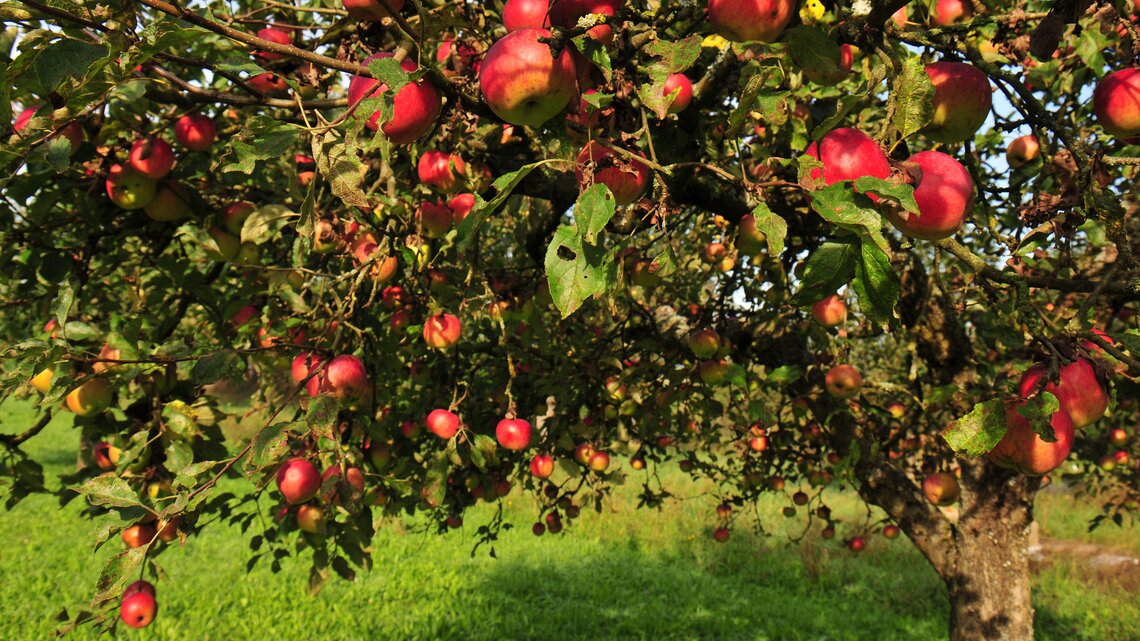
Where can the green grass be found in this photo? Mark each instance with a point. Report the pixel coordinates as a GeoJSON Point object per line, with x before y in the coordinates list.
{"type": "Point", "coordinates": [626, 574]}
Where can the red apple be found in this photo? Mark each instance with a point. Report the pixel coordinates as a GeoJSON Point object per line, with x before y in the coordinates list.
{"type": "Point", "coordinates": [941, 488]}
{"type": "Point", "coordinates": [138, 535]}
{"type": "Point", "coordinates": [441, 170]}
{"type": "Point", "coordinates": [138, 609]}
{"type": "Point", "coordinates": [513, 433]}
{"type": "Point", "coordinates": [311, 519]}
{"type": "Point", "coordinates": [298, 480]}
{"type": "Point", "coordinates": [750, 241]}
{"type": "Point", "coordinates": [442, 423]}
{"type": "Point", "coordinates": [415, 107]}
{"type": "Point", "coordinates": [346, 378]}
{"type": "Point", "coordinates": [628, 179]}
{"type": "Point", "coordinates": [435, 218]}
{"type": "Point", "coordinates": [151, 157]}
{"type": "Point", "coordinates": [1117, 437]}
{"type": "Point", "coordinates": [72, 132]}
{"type": "Point", "coordinates": [704, 343]}
{"type": "Point", "coordinates": [830, 312]}
{"type": "Point", "coordinates": [962, 98]}
{"type": "Point", "coordinates": [168, 530]}
{"type": "Point", "coordinates": [353, 477]}
{"type": "Point", "coordinates": [891, 531]}
{"type": "Point", "coordinates": [1080, 391]}
{"type": "Point", "coordinates": [848, 154]}
{"type": "Point", "coordinates": [713, 371]}
{"type": "Point", "coordinates": [195, 132]}
{"type": "Point", "coordinates": [843, 381]}
{"type": "Point", "coordinates": [542, 466]}
{"type": "Point", "coordinates": [947, 12]}
{"type": "Point", "coordinates": [269, 84]}
{"type": "Point", "coordinates": [599, 461]}
{"type": "Point", "coordinates": [373, 10]}
{"type": "Point", "coordinates": [139, 587]}
{"type": "Point", "coordinates": [1022, 151]}
{"type": "Point", "coordinates": [526, 14]}
{"type": "Point", "coordinates": [442, 331]}
{"type": "Point", "coordinates": [944, 195]}
{"type": "Point", "coordinates": [1023, 450]}
{"type": "Point", "coordinates": [750, 20]}
{"type": "Point", "coordinates": [583, 452]}
{"type": "Point", "coordinates": [1116, 102]}
{"type": "Point", "coordinates": [896, 409]}
{"type": "Point", "coordinates": [235, 215]}
{"type": "Point", "coordinates": [460, 206]}
{"type": "Point", "coordinates": [275, 35]}
{"type": "Point", "coordinates": [565, 13]}
{"type": "Point", "coordinates": [522, 82]}
{"type": "Point", "coordinates": [856, 544]}
{"type": "Point", "coordinates": [128, 188]}
{"type": "Point", "coordinates": [721, 534]}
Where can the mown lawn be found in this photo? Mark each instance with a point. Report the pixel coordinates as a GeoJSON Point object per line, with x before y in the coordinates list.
{"type": "Point", "coordinates": [625, 574]}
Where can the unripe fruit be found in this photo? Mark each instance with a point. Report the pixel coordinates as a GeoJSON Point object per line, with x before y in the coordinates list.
{"type": "Point", "coordinates": [128, 188]}
{"type": "Point", "coordinates": [90, 398]}
{"type": "Point", "coordinates": [311, 519]}
{"type": "Point", "coordinates": [704, 343]}
{"type": "Point", "coordinates": [42, 381]}
{"type": "Point", "coordinates": [843, 381]}
{"type": "Point", "coordinates": [750, 241]}
{"type": "Point", "coordinates": [713, 372]}
{"type": "Point", "coordinates": [583, 452]}
{"type": "Point", "coordinates": [513, 433]}
{"type": "Point", "coordinates": [442, 423]}
{"type": "Point", "coordinates": [171, 202]}
{"type": "Point", "coordinates": [599, 461]}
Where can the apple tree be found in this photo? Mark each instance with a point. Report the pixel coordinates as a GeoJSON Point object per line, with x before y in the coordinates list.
{"type": "Point", "coordinates": [425, 253]}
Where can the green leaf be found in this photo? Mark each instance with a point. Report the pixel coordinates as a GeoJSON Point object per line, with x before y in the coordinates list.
{"type": "Point", "coordinates": [483, 451]}
{"type": "Point", "coordinates": [66, 58]}
{"type": "Point", "coordinates": [773, 106]}
{"type": "Point", "coordinates": [576, 270]}
{"type": "Point", "coordinates": [1039, 411]}
{"type": "Point", "coordinates": [342, 166]}
{"type": "Point", "coordinates": [839, 204]}
{"type": "Point", "coordinates": [829, 267]}
{"type": "Point", "coordinates": [979, 431]}
{"type": "Point", "coordinates": [109, 490]}
{"type": "Point", "coordinates": [786, 374]}
{"type": "Point", "coordinates": [503, 186]}
{"type": "Point", "coordinates": [902, 194]}
{"type": "Point", "coordinates": [773, 226]}
{"type": "Point", "coordinates": [911, 98]}
{"type": "Point", "coordinates": [597, 54]}
{"type": "Point", "coordinates": [876, 284]}
{"type": "Point", "coordinates": [736, 375]}
{"type": "Point", "coordinates": [213, 367]}
{"type": "Point", "coordinates": [64, 299]}
{"type": "Point", "coordinates": [262, 138]}
{"type": "Point", "coordinates": [812, 50]}
{"type": "Point", "coordinates": [676, 55]}
{"type": "Point", "coordinates": [389, 72]}
{"type": "Point", "coordinates": [188, 476]}
{"type": "Point", "coordinates": [178, 455]}
{"type": "Point", "coordinates": [271, 443]}
{"type": "Point", "coordinates": [747, 98]}
{"type": "Point", "coordinates": [117, 572]}
{"type": "Point", "coordinates": [264, 223]}
{"type": "Point", "coordinates": [593, 211]}
{"type": "Point", "coordinates": [322, 415]}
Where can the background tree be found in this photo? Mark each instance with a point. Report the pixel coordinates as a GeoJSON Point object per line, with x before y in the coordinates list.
{"type": "Point", "coordinates": [456, 260]}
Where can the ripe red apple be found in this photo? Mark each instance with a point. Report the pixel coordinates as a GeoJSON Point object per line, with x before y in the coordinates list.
{"type": "Point", "coordinates": [627, 179]}
{"type": "Point", "coordinates": [522, 83]}
{"type": "Point", "coordinates": [298, 480]}
{"type": "Point", "coordinates": [195, 132]}
{"type": "Point", "coordinates": [442, 423]}
{"type": "Point", "coordinates": [721, 534]}
{"type": "Point", "coordinates": [1023, 450]}
{"type": "Point", "coordinates": [441, 170]}
{"type": "Point", "coordinates": [896, 409]}
{"type": "Point", "coordinates": [90, 398]}
{"type": "Point", "coordinates": [599, 461]}
{"type": "Point", "coordinates": [565, 13]}
{"type": "Point", "coordinates": [891, 531]}
{"type": "Point", "coordinates": [941, 488]}
{"type": "Point", "coordinates": [269, 84]}
{"type": "Point", "coordinates": [168, 530]}
{"type": "Point", "coordinates": [526, 14]}
{"type": "Point", "coordinates": [138, 535]}
{"type": "Point", "coordinates": [542, 466]}
{"type": "Point", "coordinates": [1116, 102]}
{"type": "Point", "coordinates": [962, 98]}
{"type": "Point", "coordinates": [353, 476]}
{"type": "Point", "coordinates": [435, 218]}
{"type": "Point", "coordinates": [171, 202]}
{"type": "Point", "coordinates": [346, 378]}
{"type": "Point", "coordinates": [947, 12]}
{"type": "Point", "coordinates": [944, 195]}
{"type": "Point", "coordinates": [513, 433]}
{"type": "Point", "coordinates": [843, 381]}
{"type": "Point", "coordinates": [856, 544]}
{"type": "Point", "coordinates": [138, 609]}
{"type": "Point", "coordinates": [151, 157]}
{"type": "Point", "coordinates": [1121, 457]}
{"type": "Point", "coordinates": [1118, 437]}
{"type": "Point", "coordinates": [128, 188]}
{"type": "Point", "coordinates": [1080, 391]}
{"type": "Point", "coordinates": [680, 83]}
{"type": "Point", "coordinates": [442, 331]}
{"type": "Point", "coordinates": [311, 519]}
{"type": "Point", "coordinates": [139, 587]}
{"type": "Point", "coordinates": [373, 10]}
{"type": "Point", "coordinates": [750, 20]}
{"type": "Point", "coordinates": [1022, 151]}
{"type": "Point", "coordinates": [583, 452]}
{"type": "Point", "coordinates": [414, 109]}
{"type": "Point", "coordinates": [848, 154]}
{"type": "Point", "coordinates": [72, 132]}
{"type": "Point", "coordinates": [460, 206]}
{"type": "Point", "coordinates": [830, 312]}
{"type": "Point", "coordinates": [275, 35]}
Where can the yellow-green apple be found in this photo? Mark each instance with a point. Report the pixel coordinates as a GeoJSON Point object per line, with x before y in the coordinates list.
{"type": "Point", "coordinates": [274, 35]}
{"type": "Point", "coordinates": [599, 461]}
{"type": "Point", "coordinates": [848, 154]}
{"type": "Point", "coordinates": [170, 202]}
{"type": "Point", "coordinates": [896, 409]}
{"type": "Point", "coordinates": [138, 609]}
{"type": "Point", "coordinates": [583, 452]}
{"type": "Point", "coordinates": [298, 480]}
{"type": "Point", "coordinates": [830, 312]}
{"type": "Point", "coordinates": [750, 241]}
{"type": "Point", "coordinates": [222, 245]}
{"type": "Point", "coordinates": [384, 268]}
{"type": "Point", "coordinates": [1022, 151]}
{"type": "Point", "coordinates": [962, 98]}
{"type": "Point", "coordinates": [415, 107]}
{"type": "Point", "coordinates": [526, 14]}
{"type": "Point", "coordinates": [522, 82]}
{"type": "Point", "coordinates": [750, 20]}
{"type": "Point", "coordinates": [615, 389]}
{"type": "Point", "coordinates": [42, 381]}
{"type": "Point", "coordinates": [713, 371]}
{"type": "Point", "coordinates": [435, 218]}
{"type": "Point", "coordinates": [542, 466]}
{"type": "Point", "coordinates": [90, 398]}
{"type": "Point", "coordinates": [1080, 391]}
{"type": "Point", "coordinates": [941, 488]}
{"type": "Point", "coordinates": [235, 215]}
{"type": "Point", "coordinates": [128, 188]}
{"type": "Point", "coordinates": [1116, 102]}
{"type": "Point", "coordinates": [442, 423]}
{"type": "Point", "coordinates": [626, 177]}
{"type": "Point", "coordinates": [373, 10]}
{"type": "Point", "coordinates": [138, 535]}
{"type": "Point", "coordinates": [442, 331]}
{"type": "Point", "coordinates": [441, 170]}
{"type": "Point", "coordinates": [1023, 450]}
{"type": "Point", "coordinates": [513, 433]}
{"type": "Point", "coordinates": [843, 381]}
{"type": "Point", "coordinates": [311, 519]}
{"type": "Point", "coordinates": [944, 195]}
{"type": "Point", "coordinates": [151, 157]}
{"type": "Point", "coordinates": [195, 132]}
{"type": "Point", "coordinates": [704, 343]}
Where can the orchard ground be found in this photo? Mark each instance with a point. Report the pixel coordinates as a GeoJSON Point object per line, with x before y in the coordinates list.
{"type": "Point", "coordinates": [624, 574]}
